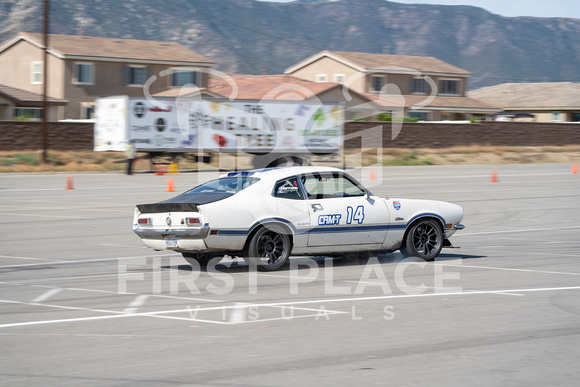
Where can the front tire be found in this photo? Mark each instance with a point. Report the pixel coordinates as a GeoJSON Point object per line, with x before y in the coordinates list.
{"type": "Point", "coordinates": [424, 240]}
{"type": "Point", "coordinates": [269, 248]}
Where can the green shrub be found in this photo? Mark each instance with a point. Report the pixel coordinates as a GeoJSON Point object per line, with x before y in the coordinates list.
{"type": "Point", "coordinates": [26, 159]}
{"type": "Point", "coordinates": [53, 160]}
{"type": "Point", "coordinates": [409, 159]}
{"type": "Point", "coordinates": [385, 117]}
{"type": "Point", "coordinates": [24, 118]}
{"type": "Point", "coordinates": [7, 161]}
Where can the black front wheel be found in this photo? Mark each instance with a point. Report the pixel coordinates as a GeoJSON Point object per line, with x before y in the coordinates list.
{"type": "Point", "coordinates": [269, 248]}
{"type": "Point", "coordinates": [424, 240]}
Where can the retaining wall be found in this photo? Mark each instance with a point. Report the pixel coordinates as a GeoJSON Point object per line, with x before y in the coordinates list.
{"type": "Point", "coordinates": [18, 136]}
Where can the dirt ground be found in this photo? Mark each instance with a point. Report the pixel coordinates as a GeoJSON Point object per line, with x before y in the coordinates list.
{"type": "Point", "coordinates": [28, 161]}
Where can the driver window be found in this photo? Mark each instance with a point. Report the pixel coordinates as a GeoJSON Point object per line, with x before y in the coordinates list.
{"type": "Point", "coordinates": [324, 186]}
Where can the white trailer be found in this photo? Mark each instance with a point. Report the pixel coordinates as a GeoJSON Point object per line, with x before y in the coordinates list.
{"type": "Point", "coordinates": [275, 132]}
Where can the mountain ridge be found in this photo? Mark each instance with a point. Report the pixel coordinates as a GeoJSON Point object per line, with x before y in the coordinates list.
{"type": "Point", "coordinates": [249, 36]}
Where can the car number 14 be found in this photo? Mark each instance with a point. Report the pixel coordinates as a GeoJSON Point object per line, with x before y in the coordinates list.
{"type": "Point", "coordinates": [357, 215]}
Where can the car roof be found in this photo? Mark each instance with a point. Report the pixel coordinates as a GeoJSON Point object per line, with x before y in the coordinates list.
{"type": "Point", "coordinates": [280, 173]}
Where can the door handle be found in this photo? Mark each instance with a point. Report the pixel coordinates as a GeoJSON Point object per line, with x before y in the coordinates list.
{"type": "Point", "coordinates": [317, 207]}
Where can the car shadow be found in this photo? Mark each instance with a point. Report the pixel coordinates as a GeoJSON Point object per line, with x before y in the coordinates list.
{"type": "Point", "coordinates": [303, 263]}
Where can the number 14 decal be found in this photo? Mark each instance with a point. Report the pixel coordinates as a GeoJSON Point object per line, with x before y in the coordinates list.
{"type": "Point", "coordinates": [358, 215]}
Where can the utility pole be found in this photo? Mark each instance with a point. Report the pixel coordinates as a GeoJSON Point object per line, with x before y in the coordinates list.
{"type": "Point", "coordinates": [44, 136]}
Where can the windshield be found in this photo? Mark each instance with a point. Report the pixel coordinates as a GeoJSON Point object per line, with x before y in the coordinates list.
{"type": "Point", "coordinates": [225, 184]}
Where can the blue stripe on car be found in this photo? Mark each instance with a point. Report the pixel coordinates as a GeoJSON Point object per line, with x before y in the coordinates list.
{"type": "Point", "coordinates": [324, 230]}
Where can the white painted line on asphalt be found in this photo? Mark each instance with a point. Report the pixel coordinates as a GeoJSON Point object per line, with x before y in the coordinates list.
{"type": "Point", "coordinates": [470, 290]}
{"type": "Point", "coordinates": [446, 177]}
{"type": "Point", "coordinates": [80, 319]}
{"type": "Point", "coordinates": [96, 195]}
{"type": "Point", "coordinates": [38, 259]}
{"type": "Point", "coordinates": [240, 319]}
{"type": "Point", "coordinates": [114, 245]}
{"type": "Point", "coordinates": [58, 307]}
{"type": "Point", "coordinates": [163, 314]}
{"type": "Point", "coordinates": [239, 312]}
{"type": "Point", "coordinates": [112, 292]}
{"type": "Point", "coordinates": [87, 335]}
{"type": "Point", "coordinates": [78, 188]}
{"type": "Point", "coordinates": [491, 249]}
{"type": "Point", "coordinates": [46, 295]}
{"type": "Point", "coordinates": [78, 277]}
{"type": "Point", "coordinates": [513, 269]}
{"type": "Point", "coordinates": [90, 260]}
{"type": "Point", "coordinates": [31, 208]}
{"type": "Point", "coordinates": [136, 303]}
{"type": "Point", "coordinates": [375, 298]}
{"type": "Point", "coordinates": [48, 216]}
{"type": "Point", "coordinates": [552, 254]}
{"type": "Point", "coordinates": [459, 234]}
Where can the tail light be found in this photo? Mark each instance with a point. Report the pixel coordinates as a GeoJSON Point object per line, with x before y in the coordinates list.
{"type": "Point", "coordinates": [192, 221]}
{"type": "Point", "coordinates": [144, 221]}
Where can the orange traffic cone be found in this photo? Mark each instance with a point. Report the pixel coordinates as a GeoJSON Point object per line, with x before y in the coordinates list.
{"type": "Point", "coordinates": [494, 177]}
{"type": "Point", "coordinates": [170, 187]}
{"type": "Point", "coordinates": [574, 168]}
{"type": "Point", "coordinates": [69, 182]}
{"type": "Point", "coordinates": [373, 175]}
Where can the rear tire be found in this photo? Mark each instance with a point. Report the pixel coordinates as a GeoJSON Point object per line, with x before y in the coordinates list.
{"type": "Point", "coordinates": [424, 240]}
{"type": "Point", "coordinates": [201, 260]}
{"type": "Point", "coordinates": [269, 248]}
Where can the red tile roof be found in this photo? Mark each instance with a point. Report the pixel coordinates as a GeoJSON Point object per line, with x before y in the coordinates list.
{"type": "Point", "coordinates": [271, 87]}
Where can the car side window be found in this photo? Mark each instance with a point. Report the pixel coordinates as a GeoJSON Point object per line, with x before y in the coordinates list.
{"type": "Point", "coordinates": [325, 186]}
{"type": "Point", "coordinates": [288, 189]}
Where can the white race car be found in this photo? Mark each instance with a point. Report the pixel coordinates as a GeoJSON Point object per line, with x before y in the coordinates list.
{"type": "Point", "coordinates": [267, 215]}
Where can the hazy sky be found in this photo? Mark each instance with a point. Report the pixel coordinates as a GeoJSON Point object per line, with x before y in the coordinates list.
{"type": "Point", "coordinates": [540, 8]}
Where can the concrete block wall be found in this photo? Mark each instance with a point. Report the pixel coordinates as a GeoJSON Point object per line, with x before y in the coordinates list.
{"type": "Point", "coordinates": [63, 136]}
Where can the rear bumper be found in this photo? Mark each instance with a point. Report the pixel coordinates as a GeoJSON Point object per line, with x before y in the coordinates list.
{"type": "Point", "coordinates": [200, 233]}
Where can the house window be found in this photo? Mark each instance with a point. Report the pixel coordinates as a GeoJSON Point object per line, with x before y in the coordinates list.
{"type": "Point", "coordinates": [419, 86]}
{"type": "Point", "coordinates": [421, 116]}
{"type": "Point", "coordinates": [83, 73]}
{"type": "Point", "coordinates": [449, 86]}
{"type": "Point", "coordinates": [87, 112]}
{"type": "Point", "coordinates": [135, 75]}
{"type": "Point", "coordinates": [377, 82]}
{"type": "Point", "coordinates": [28, 114]}
{"type": "Point", "coordinates": [36, 72]}
{"type": "Point", "coordinates": [339, 78]}
{"type": "Point", "coordinates": [321, 78]}
{"type": "Point", "coordinates": [183, 77]}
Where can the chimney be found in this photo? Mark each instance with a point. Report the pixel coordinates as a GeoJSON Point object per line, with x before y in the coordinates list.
{"type": "Point", "coordinates": [386, 50]}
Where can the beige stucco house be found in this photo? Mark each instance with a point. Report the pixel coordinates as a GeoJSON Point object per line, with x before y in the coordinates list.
{"type": "Point", "coordinates": [423, 87]}
{"type": "Point", "coordinates": [288, 88]}
{"type": "Point", "coordinates": [546, 101]}
{"type": "Point", "coordinates": [22, 104]}
{"type": "Point", "coordinates": [82, 68]}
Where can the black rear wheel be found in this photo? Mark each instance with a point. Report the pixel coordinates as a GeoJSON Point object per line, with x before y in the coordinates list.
{"type": "Point", "coordinates": [269, 248]}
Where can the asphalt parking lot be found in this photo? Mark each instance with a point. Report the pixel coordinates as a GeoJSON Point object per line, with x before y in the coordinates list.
{"type": "Point", "coordinates": [83, 302]}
